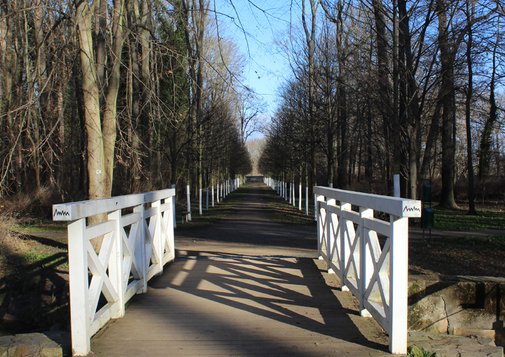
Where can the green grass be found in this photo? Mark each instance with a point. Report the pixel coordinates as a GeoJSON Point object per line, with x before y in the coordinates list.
{"type": "Point", "coordinates": [40, 228]}
{"type": "Point", "coordinates": [33, 257]}
{"type": "Point", "coordinates": [461, 221]}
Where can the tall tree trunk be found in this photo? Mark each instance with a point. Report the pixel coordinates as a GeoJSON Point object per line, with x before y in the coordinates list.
{"type": "Point", "coordinates": [431, 140]}
{"type": "Point", "coordinates": [101, 132]}
{"type": "Point", "coordinates": [447, 56]}
{"type": "Point", "coordinates": [310, 33]}
{"type": "Point", "coordinates": [486, 137]}
{"type": "Point", "coordinates": [385, 105]}
{"type": "Point", "coordinates": [411, 99]}
{"type": "Point", "coordinates": [470, 9]}
{"type": "Point", "coordinates": [137, 131]}
{"type": "Point", "coordinates": [97, 187]}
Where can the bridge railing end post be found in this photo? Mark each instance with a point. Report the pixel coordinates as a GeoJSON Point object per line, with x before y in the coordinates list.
{"type": "Point", "coordinates": [79, 294]}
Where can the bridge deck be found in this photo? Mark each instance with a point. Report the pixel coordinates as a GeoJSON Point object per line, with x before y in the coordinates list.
{"type": "Point", "coordinates": [243, 286]}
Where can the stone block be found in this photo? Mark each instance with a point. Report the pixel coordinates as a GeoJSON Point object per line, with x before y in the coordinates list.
{"type": "Point", "coordinates": [466, 306]}
{"type": "Point", "coordinates": [29, 345]}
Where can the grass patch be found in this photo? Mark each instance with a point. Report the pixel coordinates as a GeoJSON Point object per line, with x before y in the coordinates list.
{"type": "Point", "coordinates": [415, 351]}
{"type": "Point", "coordinates": [25, 228]}
{"type": "Point", "coordinates": [460, 221]}
{"type": "Point", "coordinates": [36, 257]}
{"type": "Point", "coordinates": [283, 212]}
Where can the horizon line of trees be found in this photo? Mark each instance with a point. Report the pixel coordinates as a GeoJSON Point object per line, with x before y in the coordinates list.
{"type": "Point", "coordinates": [384, 87]}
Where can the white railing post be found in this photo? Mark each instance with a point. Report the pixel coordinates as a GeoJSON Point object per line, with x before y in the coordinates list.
{"type": "Point", "coordinates": [171, 234]}
{"type": "Point", "coordinates": [200, 204]}
{"type": "Point", "coordinates": [300, 196]}
{"type": "Point", "coordinates": [174, 211]}
{"type": "Point", "coordinates": [366, 260]}
{"type": "Point", "coordinates": [116, 263]}
{"type": "Point", "coordinates": [398, 286]}
{"type": "Point", "coordinates": [330, 236]}
{"type": "Point", "coordinates": [78, 281]}
{"type": "Point", "coordinates": [321, 223]}
{"type": "Point", "coordinates": [188, 202]}
{"type": "Point", "coordinates": [157, 237]}
{"type": "Point", "coordinates": [140, 247]}
{"type": "Point", "coordinates": [212, 195]}
{"type": "Point", "coordinates": [345, 247]}
{"type": "Point", "coordinates": [294, 194]}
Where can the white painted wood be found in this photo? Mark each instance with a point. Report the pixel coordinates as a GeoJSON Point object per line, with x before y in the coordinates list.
{"type": "Point", "coordinates": [345, 249]}
{"type": "Point", "coordinates": [174, 204]}
{"type": "Point", "coordinates": [366, 261]}
{"type": "Point", "coordinates": [171, 235]}
{"type": "Point", "coordinates": [140, 246]}
{"type": "Point", "coordinates": [293, 191]}
{"type": "Point", "coordinates": [330, 236]}
{"type": "Point", "coordinates": [134, 247]}
{"type": "Point", "coordinates": [76, 210]}
{"type": "Point", "coordinates": [116, 262]}
{"type": "Point", "coordinates": [200, 202]}
{"type": "Point", "coordinates": [300, 196]}
{"type": "Point", "coordinates": [348, 241]}
{"type": "Point", "coordinates": [398, 285]}
{"type": "Point", "coordinates": [212, 195]}
{"type": "Point", "coordinates": [158, 238]}
{"type": "Point", "coordinates": [399, 207]}
{"type": "Point", "coordinates": [188, 203]}
{"type": "Point", "coordinates": [78, 270]}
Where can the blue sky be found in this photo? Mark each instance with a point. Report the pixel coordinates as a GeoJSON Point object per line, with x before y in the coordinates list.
{"type": "Point", "coordinates": [257, 34]}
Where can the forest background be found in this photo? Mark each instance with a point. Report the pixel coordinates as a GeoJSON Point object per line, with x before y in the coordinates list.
{"type": "Point", "coordinates": [100, 98]}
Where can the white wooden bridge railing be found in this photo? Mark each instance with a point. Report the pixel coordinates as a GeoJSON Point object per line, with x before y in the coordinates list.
{"type": "Point", "coordinates": [137, 240]}
{"type": "Point", "coordinates": [351, 227]}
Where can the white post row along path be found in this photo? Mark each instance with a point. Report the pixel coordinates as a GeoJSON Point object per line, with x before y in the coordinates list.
{"type": "Point", "coordinates": [222, 189]}
{"type": "Point", "coordinates": [349, 225]}
{"type": "Point", "coordinates": [287, 190]}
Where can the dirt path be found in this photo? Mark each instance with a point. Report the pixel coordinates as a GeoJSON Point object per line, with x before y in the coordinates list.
{"type": "Point", "coordinates": [249, 227]}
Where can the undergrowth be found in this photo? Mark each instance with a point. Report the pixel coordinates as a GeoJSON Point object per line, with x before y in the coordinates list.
{"type": "Point", "coordinates": [415, 351]}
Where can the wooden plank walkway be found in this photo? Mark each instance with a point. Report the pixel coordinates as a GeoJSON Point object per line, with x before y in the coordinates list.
{"type": "Point", "coordinates": [243, 286]}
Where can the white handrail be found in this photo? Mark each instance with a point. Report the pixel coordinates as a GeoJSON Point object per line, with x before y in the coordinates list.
{"type": "Point", "coordinates": [348, 240]}
{"type": "Point", "coordinates": [137, 240]}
